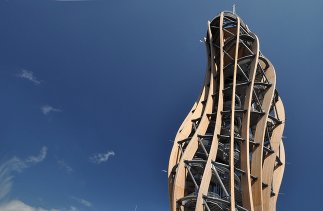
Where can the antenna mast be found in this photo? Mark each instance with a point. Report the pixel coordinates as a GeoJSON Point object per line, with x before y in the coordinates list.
{"type": "Point", "coordinates": [234, 9]}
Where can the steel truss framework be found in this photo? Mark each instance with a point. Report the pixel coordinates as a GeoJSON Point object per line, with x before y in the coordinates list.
{"type": "Point", "coordinates": [228, 153]}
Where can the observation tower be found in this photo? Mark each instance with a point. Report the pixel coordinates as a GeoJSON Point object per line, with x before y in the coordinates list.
{"type": "Point", "coordinates": [228, 153]}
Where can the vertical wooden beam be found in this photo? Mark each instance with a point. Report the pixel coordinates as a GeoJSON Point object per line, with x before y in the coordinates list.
{"type": "Point", "coordinates": [233, 100]}
{"type": "Point", "coordinates": [247, 200]}
{"type": "Point", "coordinates": [207, 175]}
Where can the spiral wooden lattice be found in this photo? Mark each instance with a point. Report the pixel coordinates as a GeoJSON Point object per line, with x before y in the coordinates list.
{"type": "Point", "coordinates": [228, 153]}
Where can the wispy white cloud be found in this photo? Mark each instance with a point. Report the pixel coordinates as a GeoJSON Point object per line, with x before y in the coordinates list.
{"type": "Point", "coordinates": [17, 205]}
{"type": "Point", "coordinates": [62, 164]}
{"type": "Point", "coordinates": [16, 165]}
{"type": "Point", "coordinates": [28, 75]}
{"type": "Point", "coordinates": [83, 201]}
{"type": "Point", "coordinates": [101, 157]}
{"type": "Point", "coordinates": [38, 158]}
{"type": "Point", "coordinates": [72, 208]}
{"type": "Point", "coordinates": [46, 109]}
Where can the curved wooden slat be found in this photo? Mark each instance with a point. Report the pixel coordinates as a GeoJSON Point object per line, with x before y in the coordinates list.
{"type": "Point", "coordinates": [278, 177]}
{"type": "Point", "coordinates": [247, 197]}
{"type": "Point", "coordinates": [180, 178]}
{"type": "Point", "coordinates": [233, 108]}
{"type": "Point", "coordinates": [184, 131]}
{"type": "Point", "coordinates": [214, 147]}
{"type": "Point", "coordinates": [269, 162]}
{"type": "Point", "coordinates": [175, 153]}
{"type": "Point", "coordinates": [257, 154]}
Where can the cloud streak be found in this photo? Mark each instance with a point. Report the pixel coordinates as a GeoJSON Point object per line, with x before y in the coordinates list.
{"type": "Point", "coordinates": [47, 109]}
{"type": "Point", "coordinates": [39, 158]}
{"type": "Point", "coordinates": [28, 75]}
{"type": "Point", "coordinates": [62, 164]}
{"type": "Point", "coordinates": [84, 202]}
{"type": "Point", "coordinates": [101, 157]}
{"type": "Point", "coordinates": [16, 205]}
{"type": "Point", "coordinates": [72, 208]}
{"type": "Point", "coordinates": [16, 165]}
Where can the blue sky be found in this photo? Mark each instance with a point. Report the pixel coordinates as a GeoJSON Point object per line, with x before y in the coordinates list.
{"type": "Point", "coordinates": [92, 91]}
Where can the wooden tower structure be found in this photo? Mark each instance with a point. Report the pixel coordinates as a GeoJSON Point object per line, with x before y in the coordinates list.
{"type": "Point", "coordinates": [228, 153]}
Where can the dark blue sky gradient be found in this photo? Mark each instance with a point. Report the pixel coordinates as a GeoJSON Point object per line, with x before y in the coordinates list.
{"type": "Point", "coordinates": [124, 75]}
